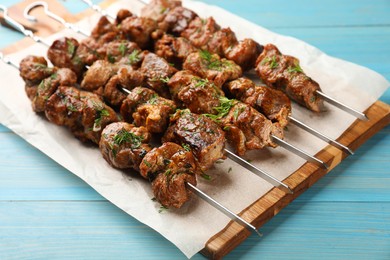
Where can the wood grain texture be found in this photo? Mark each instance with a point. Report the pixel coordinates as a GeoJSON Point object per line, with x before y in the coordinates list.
{"type": "Point", "coordinates": [46, 212]}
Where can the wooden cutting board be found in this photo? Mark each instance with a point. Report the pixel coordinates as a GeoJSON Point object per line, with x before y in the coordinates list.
{"type": "Point", "coordinates": [271, 203]}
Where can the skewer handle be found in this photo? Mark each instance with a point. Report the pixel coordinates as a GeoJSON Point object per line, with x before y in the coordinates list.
{"type": "Point", "coordinates": [342, 106]}
{"type": "Point", "coordinates": [222, 208]}
{"type": "Point", "coordinates": [275, 182]}
{"type": "Point", "coordinates": [320, 135]}
{"type": "Point", "coordinates": [98, 9]}
{"type": "Point", "coordinates": [299, 152]}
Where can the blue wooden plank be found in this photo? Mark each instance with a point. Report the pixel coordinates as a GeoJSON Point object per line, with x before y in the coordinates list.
{"type": "Point", "coordinates": [101, 231]}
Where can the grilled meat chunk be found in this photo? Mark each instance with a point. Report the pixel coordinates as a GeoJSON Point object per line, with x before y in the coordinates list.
{"type": "Point", "coordinates": [244, 53]}
{"type": "Point", "coordinates": [200, 31]}
{"type": "Point", "coordinates": [33, 69]}
{"type": "Point", "coordinates": [247, 129]}
{"type": "Point", "coordinates": [177, 20]}
{"type": "Point", "coordinates": [169, 168]}
{"type": "Point", "coordinates": [146, 108]}
{"type": "Point", "coordinates": [139, 30]}
{"type": "Point", "coordinates": [98, 75]}
{"type": "Point", "coordinates": [62, 77]}
{"type": "Point", "coordinates": [212, 67]}
{"type": "Point", "coordinates": [284, 73]}
{"type": "Point", "coordinates": [122, 15]}
{"type": "Point", "coordinates": [124, 146]}
{"type": "Point", "coordinates": [119, 52]}
{"type": "Point", "coordinates": [205, 138]}
{"type": "Point", "coordinates": [198, 95]}
{"type": "Point", "coordinates": [174, 49]}
{"type": "Point", "coordinates": [274, 104]}
{"type": "Point", "coordinates": [157, 9]}
{"type": "Point", "coordinates": [157, 72]}
{"type": "Point", "coordinates": [105, 32]}
{"type": "Point", "coordinates": [82, 112]}
{"type": "Point", "coordinates": [62, 53]}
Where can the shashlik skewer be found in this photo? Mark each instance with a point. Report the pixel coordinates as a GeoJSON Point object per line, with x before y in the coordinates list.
{"type": "Point", "coordinates": [275, 138]}
{"type": "Point", "coordinates": [266, 90]}
{"type": "Point", "coordinates": [144, 154]}
{"type": "Point", "coordinates": [231, 155]}
{"type": "Point", "coordinates": [205, 32]}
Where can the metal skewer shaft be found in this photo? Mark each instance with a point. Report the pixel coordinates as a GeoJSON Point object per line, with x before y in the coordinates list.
{"type": "Point", "coordinates": [222, 208]}
{"type": "Point", "coordinates": [21, 28]}
{"type": "Point", "coordinates": [299, 152]}
{"type": "Point", "coordinates": [320, 135]}
{"type": "Point", "coordinates": [342, 106]}
{"type": "Point", "coordinates": [191, 187]}
{"type": "Point", "coordinates": [52, 15]}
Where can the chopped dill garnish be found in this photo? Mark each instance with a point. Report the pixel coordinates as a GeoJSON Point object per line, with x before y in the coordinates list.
{"type": "Point", "coordinates": [223, 108]}
{"type": "Point", "coordinates": [147, 163]}
{"type": "Point", "coordinates": [124, 136]}
{"type": "Point", "coordinates": [162, 209]}
{"type": "Point", "coordinates": [200, 83]}
{"type": "Point", "coordinates": [101, 112]}
{"type": "Point", "coordinates": [134, 57]}
{"type": "Point", "coordinates": [123, 49]}
{"type": "Point", "coordinates": [71, 47]}
{"type": "Point", "coordinates": [168, 172]}
{"type": "Point", "coordinates": [274, 63]}
{"type": "Point", "coordinates": [295, 69]}
{"type": "Point", "coordinates": [165, 79]}
{"type": "Point", "coordinates": [205, 176]}
{"type": "Point", "coordinates": [186, 147]}
{"type": "Point", "coordinates": [110, 58]}
{"type": "Point", "coordinates": [153, 99]}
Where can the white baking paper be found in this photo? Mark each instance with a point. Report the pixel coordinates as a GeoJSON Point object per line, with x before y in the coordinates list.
{"type": "Point", "coordinates": [190, 227]}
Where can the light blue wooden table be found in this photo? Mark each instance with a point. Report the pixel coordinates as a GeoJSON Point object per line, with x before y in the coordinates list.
{"type": "Point", "coordinates": [48, 213]}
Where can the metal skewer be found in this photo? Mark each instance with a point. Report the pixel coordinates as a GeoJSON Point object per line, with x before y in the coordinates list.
{"type": "Point", "coordinates": [256, 170]}
{"type": "Point", "coordinates": [191, 187]}
{"type": "Point", "coordinates": [98, 9]}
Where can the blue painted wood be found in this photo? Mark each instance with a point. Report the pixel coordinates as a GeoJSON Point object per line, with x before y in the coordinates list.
{"type": "Point", "coordinates": [46, 212]}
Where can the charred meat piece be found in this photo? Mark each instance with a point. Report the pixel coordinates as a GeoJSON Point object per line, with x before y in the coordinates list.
{"type": "Point", "coordinates": [146, 108]}
{"type": "Point", "coordinates": [169, 168]}
{"type": "Point", "coordinates": [246, 128]}
{"type": "Point", "coordinates": [84, 113]}
{"type": "Point", "coordinates": [87, 51]}
{"type": "Point", "coordinates": [33, 69]}
{"type": "Point", "coordinates": [62, 53]}
{"type": "Point", "coordinates": [122, 15]}
{"type": "Point", "coordinates": [212, 67]}
{"type": "Point", "coordinates": [62, 77]}
{"type": "Point", "coordinates": [244, 53]}
{"type": "Point", "coordinates": [112, 93]}
{"type": "Point", "coordinates": [157, 9]}
{"type": "Point", "coordinates": [139, 30]}
{"type": "Point", "coordinates": [124, 146]}
{"type": "Point", "coordinates": [200, 31]}
{"type": "Point", "coordinates": [198, 95]}
{"type": "Point", "coordinates": [157, 72]}
{"type": "Point", "coordinates": [205, 138]}
{"type": "Point", "coordinates": [105, 32]}
{"type": "Point", "coordinates": [274, 104]}
{"type": "Point", "coordinates": [174, 49]}
{"type": "Point", "coordinates": [98, 75]}
{"type": "Point", "coordinates": [284, 73]}
{"type": "Point", "coordinates": [119, 52]}
{"type": "Point", "coordinates": [177, 20]}
{"type": "Point", "coordinates": [221, 42]}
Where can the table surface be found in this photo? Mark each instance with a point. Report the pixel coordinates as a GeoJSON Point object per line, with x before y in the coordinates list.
{"type": "Point", "coordinates": [48, 213]}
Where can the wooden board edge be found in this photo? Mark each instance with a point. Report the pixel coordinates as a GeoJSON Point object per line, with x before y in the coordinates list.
{"type": "Point", "coordinates": [266, 207]}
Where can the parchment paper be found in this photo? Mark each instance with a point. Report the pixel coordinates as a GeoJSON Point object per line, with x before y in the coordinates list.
{"type": "Point", "coordinates": [190, 227]}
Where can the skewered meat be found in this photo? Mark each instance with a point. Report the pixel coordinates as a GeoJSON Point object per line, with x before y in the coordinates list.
{"type": "Point", "coordinates": [194, 93]}
{"type": "Point", "coordinates": [122, 15]}
{"type": "Point", "coordinates": [157, 9]}
{"type": "Point", "coordinates": [274, 104]}
{"type": "Point", "coordinates": [176, 20]}
{"type": "Point", "coordinates": [146, 108]}
{"type": "Point", "coordinates": [139, 30]}
{"type": "Point", "coordinates": [200, 31]}
{"type": "Point", "coordinates": [62, 53]}
{"type": "Point", "coordinates": [62, 77]}
{"type": "Point", "coordinates": [205, 138]}
{"type": "Point", "coordinates": [119, 52]}
{"type": "Point", "coordinates": [174, 50]}
{"type": "Point", "coordinates": [82, 112]}
{"type": "Point", "coordinates": [244, 53]}
{"type": "Point", "coordinates": [124, 146]}
{"type": "Point", "coordinates": [157, 72]}
{"type": "Point", "coordinates": [283, 72]}
{"type": "Point", "coordinates": [169, 167]}
{"type": "Point", "coordinates": [212, 67]}
{"type": "Point", "coordinates": [105, 32]}
{"type": "Point", "coordinates": [98, 75]}
{"type": "Point", "coordinates": [33, 69]}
